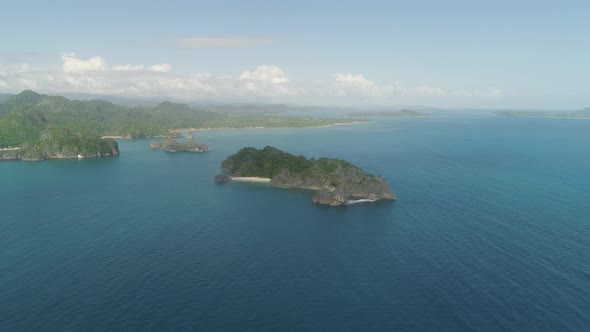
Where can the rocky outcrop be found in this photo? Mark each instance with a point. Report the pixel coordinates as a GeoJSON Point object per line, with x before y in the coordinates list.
{"type": "Point", "coordinates": [329, 198]}
{"type": "Point", "coordinates": [172, 145]}
{"type": "Point", "coordinates": [9, 154]}
{"type": "Point", "coordinates": [378, 189]}
{"type": "Point", "coordinates": [222, 178]}
{"type": "Point", "coordinates": [335, 181]}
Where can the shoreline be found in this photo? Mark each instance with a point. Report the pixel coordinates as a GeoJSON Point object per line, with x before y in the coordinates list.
{"type": "Point", "coordinates": [236, 128]}
{"type": "Point", "coordinates": [357, 201]}
{"type": "Point", "coordinates": [261, 127]}
{"type": "Point", "coordinates": [250, 179]}
{"type": "Point", "coordinates": [131, 138]}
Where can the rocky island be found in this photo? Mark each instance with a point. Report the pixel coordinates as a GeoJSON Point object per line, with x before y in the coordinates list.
{"type": "Point", "coordinates": [336, 182]}
{"type": "Point", "coordinates": [172, 145]}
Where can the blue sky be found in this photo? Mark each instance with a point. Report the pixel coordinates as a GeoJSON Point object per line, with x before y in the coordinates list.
{"type": "Point", "coordinates": [485, 54]}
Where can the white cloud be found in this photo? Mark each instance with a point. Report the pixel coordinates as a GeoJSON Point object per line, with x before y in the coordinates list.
{"type": "Point", "coordinates": [265, 80]}
{"type": "Point", "coordinates": [162, 68]}
{"type": "Point", "coordinates": [227, 42]}
{"type": "Point", "coordinates": [95, 75]}
{"type": "Point", "coordinates": [71, 63]}
{"type": "Point", "coordinates": [354, 85]}
{"type": "Point", "coordinates": [495, 92]}
{"type": "Point", "coordinates": [127, 68]}
{"type": "Point", "coordinates": [424, 90]}
{"type": "Point", "coordinates": [271, 74]}
{"type": "Point", "coordinates": [28, 83]}
{"type": "Point", "coordinates": [25, 67]}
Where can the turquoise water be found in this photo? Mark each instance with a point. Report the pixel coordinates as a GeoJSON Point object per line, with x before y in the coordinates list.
{"type": "Point", "coordinates": [491, 232]}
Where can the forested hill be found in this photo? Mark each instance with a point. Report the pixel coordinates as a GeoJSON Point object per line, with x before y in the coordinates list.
{"type": "Point", "coordinates": [4, 96]}
{"type": "Point", "coordinates": [23, 118]}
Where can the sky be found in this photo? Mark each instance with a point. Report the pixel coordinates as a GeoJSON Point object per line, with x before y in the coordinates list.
{"type": "Point", "coordinates": [449, 54]}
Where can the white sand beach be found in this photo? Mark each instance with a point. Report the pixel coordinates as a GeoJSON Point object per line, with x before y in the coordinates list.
{"type": "Point", "coordinates": [250, 179]}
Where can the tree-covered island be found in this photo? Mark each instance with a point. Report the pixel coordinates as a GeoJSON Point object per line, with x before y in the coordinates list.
{"type": "Point", "coordinates": [335, 181]}
{"type": "Point", "coordinates": [172, 145]}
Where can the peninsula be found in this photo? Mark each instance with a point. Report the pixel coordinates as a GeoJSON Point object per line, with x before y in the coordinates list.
{"type": "Point", "coordinates": [35, 126]}
{"type": "Point", "coordinates": [335, 182]}
{"type": "Point", "coordinates": [60, 143]}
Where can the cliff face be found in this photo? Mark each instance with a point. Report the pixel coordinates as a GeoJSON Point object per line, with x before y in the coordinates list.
{"type": "Point", "coordinates": [172, 145]}
{"type": "Point", "coordinates": [9, 154]}
{"type": "Point", "coordinates": [336, 181]}
{"type": "Point", "coordinates": [344, 183]}
{"type": "Point", "coordinates": [93, 148]}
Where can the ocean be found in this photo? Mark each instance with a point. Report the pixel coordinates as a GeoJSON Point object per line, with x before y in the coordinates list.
{"type": "Point", "coordinates": [490, 232]}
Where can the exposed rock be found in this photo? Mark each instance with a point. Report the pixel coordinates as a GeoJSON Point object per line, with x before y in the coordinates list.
{"type": "Point", "coordinates": [222, 178]}
{"type": "Point", "coordinates": [176, 134]}
{"type": "Point", "coordinates": [172, 145]}
{"type": "Point", "coordinates": [9, 154]}
{"type": "Point", "coordinates": [329, 198]}
{"type": "Point", "coordinates": [58, 148]}
{"type": "Point", "coordinates": [336, 181]}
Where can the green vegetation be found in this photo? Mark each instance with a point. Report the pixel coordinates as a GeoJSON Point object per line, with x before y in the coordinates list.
{"type": "Point", "coordinates": [266, 163]}
{"type": "Point", "coordinates": [3, 97]}
{"type": "Point", "coordinates": [172, 145]}
{"type": "Point", "coordinates": [337, 181]}
{"type": "Point", "coordinates": [58, 143]}
{"type": "Point", "coordinates": [23, 117]}
{"type": "Point", "coordinates": [270, 162]}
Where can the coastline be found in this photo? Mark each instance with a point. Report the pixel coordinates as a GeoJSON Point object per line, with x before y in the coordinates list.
{"type": "Point", "coordinates": [235, 128]}
{"type": "Point", "coordinates": [337, 124]}
{"type": "Point", "coordinates": [250, 179]}
{"type": "Point", "coordinates": [129, 137]}
{"type": "Point", "coordinates": [261, 127]}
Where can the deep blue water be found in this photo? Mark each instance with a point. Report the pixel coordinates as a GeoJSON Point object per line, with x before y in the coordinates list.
{"type": "Point", "coordinates": [490, 232]}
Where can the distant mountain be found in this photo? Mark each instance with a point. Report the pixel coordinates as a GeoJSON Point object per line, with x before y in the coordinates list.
{"type": "Point", "coordinates": [583, 113]}
{"type": "Point", "coordinates": [28, 116]}
{"type": "Point", "coordinates": [522, 113]}
{"type": "Point", "coordinates": [4, 96]}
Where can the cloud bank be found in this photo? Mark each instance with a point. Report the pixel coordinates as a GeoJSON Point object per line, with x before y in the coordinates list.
{"type": "Point", "coordinates": [96, 76]}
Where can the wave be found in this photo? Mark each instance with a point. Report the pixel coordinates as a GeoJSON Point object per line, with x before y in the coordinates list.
{"type": "Point", "coordinates": [356, 201]}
